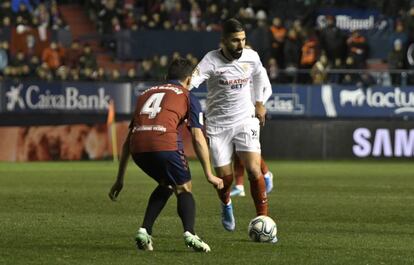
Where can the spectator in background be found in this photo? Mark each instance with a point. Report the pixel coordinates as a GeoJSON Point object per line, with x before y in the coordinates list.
{"type": "Point", "coordinates": [108, 11]}
{"type": "Point", "coordinates": [155, 22]}
{"type": "Point", "coordinates": [195, 15]}
{"type": "Point", "coordinates": [73, 54]}
{"type": "Point", "coordinates": [115, 75]}
{"type": "Point", "coordinates": [44, 73]}
{"type": "Point", "coordinates": [309, 55]}
{"type": "Point", "coordinates": [358, 49]}
{"type": "Point", "coordinates": [409, 24]}
{"type": "Point", "coordinates": [101, 74]}
{"type": "Point", "coordinates": [336, 77]}
{"type": "Point", "coordinates": [62, 73]}
{"type": "Point", "coordinates": [20, 65]}
{"type": "Point", "coordinates": [56, 21]}
{"type": "Point", "coordinates": [24, 13]}
{"type": "Point", "coordinates": [4, 56]}
{"type": "Point", "coordinates": [87, 59]}
{"type": "Point", "coordinates": [51, 56]}
{"type": "Point", "coordinates": [350, 78]}
{"type": "Point", "coordinates": [211, 18]}
{"type": "Point", "coordinates": [332, 40]}
{"type": "Point", "coordinates": [74, 74]}
{"type": "Point", "coordinates": [34, 63]}
{"type": "Point", "coordinates": [272, 70]}
{"type": "Point", "coordinates": [278, 33]}
{"type": "Point", "coordinates": [178, 16]}
{"type": "Point", "coordinates": [291, 54]}
{"type": "Point", "coordinates": [147, 70]}
{"type": "Point", "coordinates": [396, 61]}
{"type": "Point", "coordinates": [17, 4]}
{"type": "Point", "coordinates": [5, 10]}
{"type": "Point", "coordinates": [319, 71]}
{"type": "Point", "coordinates": [162, 68]}
{"type": "Point", "coordinates": [129, 19]}
{"type": "Point", "coordinates": [42, 15]}
{"type": "Point", "coordinates": [131, 75]}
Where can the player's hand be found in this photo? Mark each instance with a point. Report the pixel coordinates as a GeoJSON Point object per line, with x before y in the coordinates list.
{"type": "Point", "coordinates": [261, 113]}
{"type": "Point", "coordinates": [217, 182]}
{"type": "Point", "coordinates": [115, 190]}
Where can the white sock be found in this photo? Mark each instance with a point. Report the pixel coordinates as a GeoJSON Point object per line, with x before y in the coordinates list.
{"type": "Point", "coordinates": [240, 187]}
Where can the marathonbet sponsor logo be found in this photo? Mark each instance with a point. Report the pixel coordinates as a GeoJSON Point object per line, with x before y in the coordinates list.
{"type": "Point", "coordinates": [71, 99]}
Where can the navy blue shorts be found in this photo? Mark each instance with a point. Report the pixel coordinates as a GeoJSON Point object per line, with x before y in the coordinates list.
{"type": "Point", "coordinates": [166, 167]}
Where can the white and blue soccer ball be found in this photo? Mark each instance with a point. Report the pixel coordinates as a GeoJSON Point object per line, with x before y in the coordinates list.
{"type": "Point", "coordinates": [262, 229]}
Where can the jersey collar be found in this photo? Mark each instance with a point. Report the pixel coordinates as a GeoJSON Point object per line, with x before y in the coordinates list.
{"type": "Point", "coordinates": [174, 82]}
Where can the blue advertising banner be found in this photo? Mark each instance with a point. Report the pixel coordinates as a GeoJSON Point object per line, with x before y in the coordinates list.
{"type": "Point", "coordinates": [55, 97]}
{"type": "Point", "coordinates": [370, 102]}
{"type": "Point", "coordinates": [310, 101]}
{"type": "Point", "coordinates": [348, 19]}
{"type": "Point", "coordinates": [288, 100]}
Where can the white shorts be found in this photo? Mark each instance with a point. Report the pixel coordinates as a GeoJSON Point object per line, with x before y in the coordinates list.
{"type": "Point", "coordinates": [244, 137]}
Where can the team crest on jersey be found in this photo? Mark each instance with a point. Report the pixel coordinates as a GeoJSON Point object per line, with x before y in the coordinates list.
{"type": "Point", "coordinates": [245, 67]}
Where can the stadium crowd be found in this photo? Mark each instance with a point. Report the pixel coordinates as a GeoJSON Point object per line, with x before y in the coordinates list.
{"type": "Point", "coordinates": [297, 51]}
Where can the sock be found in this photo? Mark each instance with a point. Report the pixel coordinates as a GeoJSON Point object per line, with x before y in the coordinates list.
{"type": "Point", "coordinates": [186, 210]}
{"type": "Point", "coordinates": [240, 187]}
{"type": "Point", "coordinates": [224, 193]}
{"type": "Point", "coordinates": [156, 203]}
{"type": "Point", "coordinates": [258, 192]}
{"type": "Point", "coordinates": [263, 166]}
{"type": "Point", "coordinates": [238, 169]}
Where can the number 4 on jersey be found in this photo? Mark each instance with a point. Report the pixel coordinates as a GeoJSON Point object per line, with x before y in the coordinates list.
{"type": "Point", "coordinates": [152, 105]}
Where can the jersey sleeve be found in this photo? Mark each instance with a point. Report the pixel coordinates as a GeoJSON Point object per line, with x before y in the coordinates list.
{"type": "Point", "coordinates": [195, 115]}
{"type": "Point", "coordinates": [267, 86]}
{"type": "Point", "coordinates": [202, 72]}
{"type": "Point", "coordinates": [257, 78]}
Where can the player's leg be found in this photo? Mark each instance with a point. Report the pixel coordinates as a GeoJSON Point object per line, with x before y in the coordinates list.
{"type": "Point", "coordinates": [247, 146]}
{"type": "Point", "coordinates": [256, 179]}
{"type": "Point", "coordinates": [268, 176]}
{"type": "Point", "coordinates": [186, 211]}
{"type": "Point", "coordinates": [227, 216]}
{"type": "Point", "coordinates": [238, 169]}
{"type": "Point", "coordinates": [221, 149]}
{"type": "Point", "coordinates": [157, 199]}
{"type": "Point", "coordinates": [156, 203]}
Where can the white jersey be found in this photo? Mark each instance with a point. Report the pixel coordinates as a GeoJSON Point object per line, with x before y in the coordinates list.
{"type": "Point", "coordinates": [228, 84]}
{"type": "Point", "coordinates": [266, 91]}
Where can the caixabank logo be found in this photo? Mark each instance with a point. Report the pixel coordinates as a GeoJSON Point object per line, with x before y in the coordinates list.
{"type": "Point", "coordinates": [33, 97]}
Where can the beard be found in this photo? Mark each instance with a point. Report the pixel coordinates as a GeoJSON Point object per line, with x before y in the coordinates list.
{"type": "Point", "coordinates": [236, 54]}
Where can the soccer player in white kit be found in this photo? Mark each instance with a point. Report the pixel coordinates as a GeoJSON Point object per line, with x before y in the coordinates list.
{"type": "Point", "coordinates": [232, 120]}
{"type": "Point", "coordinates": [238, 167]}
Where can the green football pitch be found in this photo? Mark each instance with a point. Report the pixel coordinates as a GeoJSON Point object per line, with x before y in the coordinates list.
{"type": "Point", "coordinates": [327, 213]}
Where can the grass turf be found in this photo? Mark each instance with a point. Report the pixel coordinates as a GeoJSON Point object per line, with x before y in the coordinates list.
{"type": "Point", "coordinates": [327, 213]}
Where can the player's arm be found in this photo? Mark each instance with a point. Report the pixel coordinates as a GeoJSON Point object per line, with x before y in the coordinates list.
{"type": "Point", "coordinates": [201, 149]}
{"type": "Point", "coordinates": [201, 73]}
{"type": "Point", "coordinates": [267, 86]}
{"type": "Point", "coordinates": [119, 182]}
{"type": "Point", "coordinates": [195, 122]}
{"type": "Point", "coordinates": [258, 84]}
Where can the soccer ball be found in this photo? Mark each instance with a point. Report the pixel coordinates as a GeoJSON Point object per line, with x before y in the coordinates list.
{"type": "Point", "coordinates": [262, 229]}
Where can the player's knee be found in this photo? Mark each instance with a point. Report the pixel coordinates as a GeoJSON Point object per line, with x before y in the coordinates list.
{"type": "Point", "coordinates": [186, 187]}
{"type": "Point", "coordinates": [254, 173]}
{"type": "Point", "coordinates": [166, 189]}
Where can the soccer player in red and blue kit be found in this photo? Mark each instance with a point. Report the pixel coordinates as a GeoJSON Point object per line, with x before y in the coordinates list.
{"type": "Point", "coordinates": [155, 143]}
